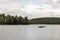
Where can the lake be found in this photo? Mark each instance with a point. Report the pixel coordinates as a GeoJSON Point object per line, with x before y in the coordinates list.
{"type": "Point", "coordinates": [29, 32]}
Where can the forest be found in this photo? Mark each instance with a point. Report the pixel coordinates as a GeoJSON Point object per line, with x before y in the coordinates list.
{"type": "Point", "coordinates": [13, 20]}
{"type": "Point", "coordinates": [17, 20]}
{"type": "Point", "coordinates": [46, 20]}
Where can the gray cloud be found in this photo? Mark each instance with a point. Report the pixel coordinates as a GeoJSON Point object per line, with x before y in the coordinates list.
{"type": "Point", "coordinates": [31, 9]}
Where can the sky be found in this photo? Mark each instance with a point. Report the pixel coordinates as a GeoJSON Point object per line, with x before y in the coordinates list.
{"type": "Point", "coordinates": [31, 8]}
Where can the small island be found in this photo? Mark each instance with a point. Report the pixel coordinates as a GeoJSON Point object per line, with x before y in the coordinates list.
{"type": "Point", "coordinates": [19, 20]}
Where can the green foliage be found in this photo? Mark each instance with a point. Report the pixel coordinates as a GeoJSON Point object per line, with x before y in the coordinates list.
{"type": "Point", "coordinates": [26, 20]}
{"type": "Point", "coordinates": [11, 20]}
{"type": "Point", "coordinates": [1, 20]}
{"type": "Point", "coordinates": [50, 20]}
{"type": "Point", "coordinates": [16, 20]}
{"type": "Point", "coordinates": [8, 19]}
{"type": "Point", "coordinates": [21, 20]}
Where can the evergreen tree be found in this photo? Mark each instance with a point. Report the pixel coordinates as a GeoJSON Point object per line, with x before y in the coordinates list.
{"type": "Point", "coordinates": [1, 20]}
{"type": "Point", "coordinates": [21, 20]}
{"type": "Point", "coordinates": [11, 20]}
{"type": "Point", "coordinates": [7, 19]}
{"type": "Point", "coordinates": [16, 20]}
{"type": "Point", "coordinates": [26, 20]}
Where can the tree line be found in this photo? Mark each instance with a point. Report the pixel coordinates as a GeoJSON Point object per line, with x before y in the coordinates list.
{"type": "Point", "coordinates": [17, 20]}
{"type": "Point", "coordinates": [46, 20]}
{"type": "Point", "coordinates": [8, 19]}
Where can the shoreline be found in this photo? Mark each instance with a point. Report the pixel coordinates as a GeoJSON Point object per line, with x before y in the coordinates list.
{"type": "Point", "coordinates": [29, 24]}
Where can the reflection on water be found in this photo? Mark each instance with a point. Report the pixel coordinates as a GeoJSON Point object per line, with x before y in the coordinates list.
{"type": "Point", "coordinates": [29, 32]}
{"type": "Point", "coordinates": [41, 26]}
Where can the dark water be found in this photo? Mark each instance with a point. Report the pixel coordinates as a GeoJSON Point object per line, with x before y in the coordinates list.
{"type": "Point", "coordinates": [29, 32]}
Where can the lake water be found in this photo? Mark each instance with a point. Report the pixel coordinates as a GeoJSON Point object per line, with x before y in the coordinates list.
{"type": "Point", "coordinates": [29, 32]}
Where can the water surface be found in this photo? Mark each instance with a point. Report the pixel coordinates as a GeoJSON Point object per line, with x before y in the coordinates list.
{"type": "Point", "coordinates": [29, 32]}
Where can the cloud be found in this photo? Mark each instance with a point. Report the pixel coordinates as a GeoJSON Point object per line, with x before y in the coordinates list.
{"type": "Point", "coordinates": [35, 10]}
{"type": "Point", "coordinates": [4, 1]}
{"type": "Point", "coordinates": [32, 9]}
{"type": "Point", "coordinates": [10, 7]}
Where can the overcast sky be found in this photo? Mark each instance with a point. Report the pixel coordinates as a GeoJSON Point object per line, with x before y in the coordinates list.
{"type": "Point", "coordinates": [31, 8]}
